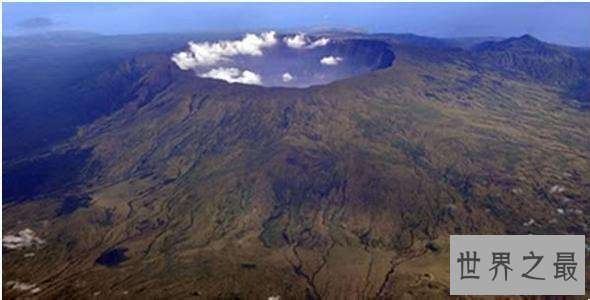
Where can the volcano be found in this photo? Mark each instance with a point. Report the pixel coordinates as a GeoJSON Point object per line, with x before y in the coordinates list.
{"type": "Point", "coordinates": [345, 180]}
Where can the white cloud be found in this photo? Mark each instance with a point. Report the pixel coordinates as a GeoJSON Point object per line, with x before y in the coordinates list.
{"type": "Point", "coordinates": [297, 41]}
{"type": "Point", "coordinates": [331, 60]}
{"type": "Point", "coordinates": [301, 41]}
{"type": "Point", "coordinates": [287, 77]}
{"type": "Point", "coordinates": [319, 43]}
{"type": "Point", "coordinates": [24, 239]}
{"type": "Point", "coordinates": [233, 75]}
{"type": "Point", "coordinates": [208, 54]}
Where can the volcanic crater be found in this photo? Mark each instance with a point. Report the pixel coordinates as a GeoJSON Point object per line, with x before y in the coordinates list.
{"type": "Point", "coordinates": [274, 60]}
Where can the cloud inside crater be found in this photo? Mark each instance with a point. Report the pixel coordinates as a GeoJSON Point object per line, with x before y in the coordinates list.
{"type": "Point", "coordinates": [319, 43]}
{"type": "Point", "coordinates": [331, 60]}
{"type": "Point", "coordinates": [233, 75]}
{"type": "Point", "coordinates": [209, 54]}
{"type": "Point", "coordinates": [216, 59]}
{"type": "Point", "coordinates": [287, 77]}
{"type": "Point", "coordinates": [301, 41]}
{"type": "Point", "coordinates": [297, 41]}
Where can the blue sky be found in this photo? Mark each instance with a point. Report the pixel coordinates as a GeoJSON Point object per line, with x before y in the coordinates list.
{"type": "Point", "coordinates": [564, 23]}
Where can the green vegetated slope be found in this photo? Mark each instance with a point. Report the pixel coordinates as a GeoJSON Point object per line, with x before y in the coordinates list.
{"type": "Point", "coordinates": [344, 190]}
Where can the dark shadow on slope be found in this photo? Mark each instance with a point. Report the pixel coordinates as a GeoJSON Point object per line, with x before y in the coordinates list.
{"type": "Point", "coordinates": [42, 175]}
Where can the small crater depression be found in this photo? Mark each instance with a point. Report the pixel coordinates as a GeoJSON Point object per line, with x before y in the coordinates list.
{"type": "Point", "coordinates": [295, 60]}
{"type": "Point", "coordinates": [112, 257]}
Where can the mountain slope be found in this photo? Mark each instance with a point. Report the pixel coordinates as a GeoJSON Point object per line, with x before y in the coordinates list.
{"type": "Point", "coordinates": [196, 187]}
{"type": "Point", "coordinates": [52, 85]}
{"type": "Point", "coordinates": [550, 64]}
